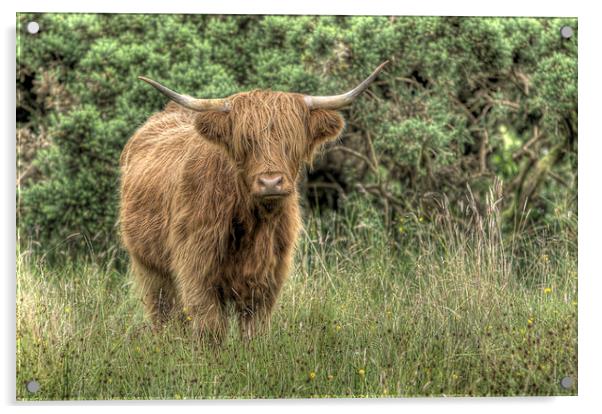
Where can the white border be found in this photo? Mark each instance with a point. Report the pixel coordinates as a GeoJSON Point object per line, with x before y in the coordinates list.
{"type": "Point", "coordinates": [590, 275]}
{"type": "Point", "coordinates": [380, 7]}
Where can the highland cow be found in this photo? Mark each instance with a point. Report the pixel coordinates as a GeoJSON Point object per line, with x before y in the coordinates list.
{"type": "Point", "coordinates": [209, 204]}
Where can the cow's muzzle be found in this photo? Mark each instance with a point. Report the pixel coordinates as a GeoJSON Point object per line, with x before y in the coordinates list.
{"type": "Point", "coordinates": [271, 186]}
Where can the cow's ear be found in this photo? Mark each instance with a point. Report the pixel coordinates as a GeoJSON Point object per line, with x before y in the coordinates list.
{"type": "Point", "coordinates": [324, 125]}
{"type": "Point", "coordinates": [213, 126]}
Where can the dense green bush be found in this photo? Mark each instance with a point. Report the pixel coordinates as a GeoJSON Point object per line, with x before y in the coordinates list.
{"type": "Point", "coordinates": [463, 101]}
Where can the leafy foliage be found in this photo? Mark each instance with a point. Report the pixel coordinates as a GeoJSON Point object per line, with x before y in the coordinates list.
{"type": "Point", "coordinates": [464, 100]}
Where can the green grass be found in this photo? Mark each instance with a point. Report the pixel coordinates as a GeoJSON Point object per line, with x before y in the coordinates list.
{"type": "Point", "coordinates": [440, 311]}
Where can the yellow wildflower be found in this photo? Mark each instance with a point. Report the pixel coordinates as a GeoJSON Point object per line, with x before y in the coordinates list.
{"type": "Point", "coordinates": [530, 321]}
{"type": "Point", "coordinates": [312, 375]}
{"type": "Point", "coordinates": [454, 376]}
{"type": "Point", "coordinates": [338, 328]}
{"type": "Point", "coordinates": [67, 309]}
{"type": "Point", "coordinates": [361, 372]}
{"type": "Point", "coordinates": [547, 290]}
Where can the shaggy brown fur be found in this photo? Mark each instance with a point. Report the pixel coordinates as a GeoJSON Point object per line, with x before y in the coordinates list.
{"type": "Point", "coordinates": [197, 235]}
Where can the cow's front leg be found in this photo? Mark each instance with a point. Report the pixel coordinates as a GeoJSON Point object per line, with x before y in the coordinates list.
{"type": "Point", "coordinates": [198, 283]}
{"type": "Point", "coordinates": [254, 311]}
{"type": "Point", "coordinates": [253, 320]}
{"type": "Point", "coordinates": [204, 309]}
{"type": "Point", "coordinates": [157, 290]}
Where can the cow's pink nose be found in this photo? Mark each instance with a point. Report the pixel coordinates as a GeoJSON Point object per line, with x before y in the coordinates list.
{"type": "Point", "coordinates": [272, 185]}
{"type": "Point", "coordinates": [269, 184]}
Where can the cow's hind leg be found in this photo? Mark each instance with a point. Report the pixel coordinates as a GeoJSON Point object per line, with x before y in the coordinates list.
{"type": "Point", "coordinates": [158, 293]}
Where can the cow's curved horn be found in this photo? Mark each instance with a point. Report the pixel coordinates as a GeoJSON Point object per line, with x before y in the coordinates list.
{"type": "Point", "coordinates": [188, 101]}
{"type": "Point", "coordinates": [338, 101]}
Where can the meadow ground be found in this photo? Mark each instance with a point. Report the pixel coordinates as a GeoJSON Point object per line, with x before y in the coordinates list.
{"type": "Point", "coordinates": [433, 311]}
